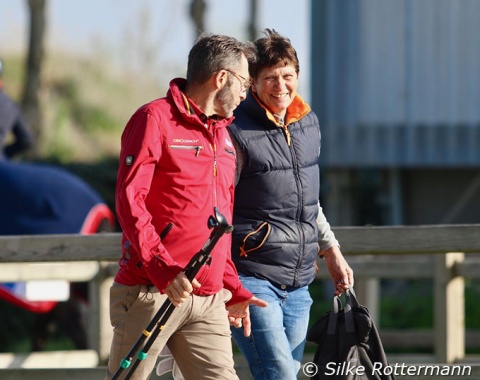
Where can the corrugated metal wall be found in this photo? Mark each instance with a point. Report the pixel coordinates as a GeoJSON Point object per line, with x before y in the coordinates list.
{"type": "Point", "coordinates": [397, 83]}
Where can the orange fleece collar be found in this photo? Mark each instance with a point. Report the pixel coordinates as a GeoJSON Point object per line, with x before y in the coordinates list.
{"type": "Point", "coordinates": [295, 111]}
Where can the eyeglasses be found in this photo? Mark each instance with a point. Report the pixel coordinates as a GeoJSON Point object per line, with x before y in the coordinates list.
{"type": "Point", "coordinates": [244, 82]}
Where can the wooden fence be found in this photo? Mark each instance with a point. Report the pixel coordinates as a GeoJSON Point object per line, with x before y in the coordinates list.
{"type": "Point", "coordinates": [445, 253]}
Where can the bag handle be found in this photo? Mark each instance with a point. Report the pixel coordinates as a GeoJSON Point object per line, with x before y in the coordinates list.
{"type": "Point", "coordinates": [332, 320]}
{"type": "Point", "coordinates": [350, 302]}
{"type": "Point", "coordinates": [351, 297]}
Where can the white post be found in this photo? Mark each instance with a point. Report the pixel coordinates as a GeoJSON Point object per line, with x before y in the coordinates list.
{"type": "Point", "coordinates": [449, 309]}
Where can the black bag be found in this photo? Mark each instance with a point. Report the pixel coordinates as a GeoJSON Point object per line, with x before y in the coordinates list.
{"type": "Point", "coordinates": [348, 343]}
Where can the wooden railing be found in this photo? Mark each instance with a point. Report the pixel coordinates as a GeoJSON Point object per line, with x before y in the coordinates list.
{"type": "Point", "coordinates": [445, 253]}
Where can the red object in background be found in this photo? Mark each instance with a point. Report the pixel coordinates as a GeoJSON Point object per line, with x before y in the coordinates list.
{"type": "Point", "coordinates": [94, 222]}
{"type": "Point", "coordinates": [33, 306]}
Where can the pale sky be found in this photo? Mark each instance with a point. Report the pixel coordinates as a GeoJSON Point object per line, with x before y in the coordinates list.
{"type": "Point", "coordinates": [158, 30]}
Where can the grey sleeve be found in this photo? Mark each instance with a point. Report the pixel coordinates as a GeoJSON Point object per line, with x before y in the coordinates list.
{"type": "Point", "coordinates": [326, 237]}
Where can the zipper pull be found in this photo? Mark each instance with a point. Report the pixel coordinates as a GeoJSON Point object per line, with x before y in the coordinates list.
{"type": "Point", "coordinates": [287, 135]}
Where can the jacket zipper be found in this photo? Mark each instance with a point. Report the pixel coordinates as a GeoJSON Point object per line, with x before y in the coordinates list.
{"type": "Point", "coordinates": [198, 148]}
{"type": "Point", "coordinates": [214, 147]}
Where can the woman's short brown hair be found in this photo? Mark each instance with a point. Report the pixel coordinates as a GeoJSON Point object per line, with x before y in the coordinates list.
{"type": "Point", "coordinates": [272, 50]}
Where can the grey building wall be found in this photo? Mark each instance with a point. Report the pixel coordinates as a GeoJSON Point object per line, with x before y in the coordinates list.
{"type": "Point", "coordinates": [397, 83]}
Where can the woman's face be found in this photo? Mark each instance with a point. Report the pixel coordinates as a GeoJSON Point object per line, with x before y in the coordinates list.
{"type": "Point", "coordinates": [276, 86]}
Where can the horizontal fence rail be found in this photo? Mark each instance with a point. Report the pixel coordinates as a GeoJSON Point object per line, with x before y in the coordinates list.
{"type": "Point", "coordinates": [354, 241]}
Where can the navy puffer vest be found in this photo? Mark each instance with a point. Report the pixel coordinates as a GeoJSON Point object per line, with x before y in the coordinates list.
{"type": "Point", "coordinates": [275, 235]}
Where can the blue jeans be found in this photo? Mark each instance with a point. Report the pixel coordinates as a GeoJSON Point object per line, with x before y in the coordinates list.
{"type": "Point", "coordinates": [274, 350]}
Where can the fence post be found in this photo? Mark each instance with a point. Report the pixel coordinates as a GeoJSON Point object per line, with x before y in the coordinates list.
{"type": "Point", "coordinates": [93, 329]}
{"type": "Point", "coordinates": [100, 330]}
{"type": "Point", "coordinates": [449, 300]}
{"type": "Point", "coordinates": [106, 329]}
{"type": "Point", "coordinates": [368, 290]}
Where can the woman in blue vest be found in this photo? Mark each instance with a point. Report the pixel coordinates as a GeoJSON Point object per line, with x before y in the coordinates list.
{"type": "Point", "coordinates": [279, 226]}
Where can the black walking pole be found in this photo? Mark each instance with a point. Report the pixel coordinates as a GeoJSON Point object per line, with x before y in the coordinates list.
{"type": "Point", "coordinates": [219, 226]}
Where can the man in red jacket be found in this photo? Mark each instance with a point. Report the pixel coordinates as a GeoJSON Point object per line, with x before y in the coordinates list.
{"type": "Point", "coordinates": [177, 163]}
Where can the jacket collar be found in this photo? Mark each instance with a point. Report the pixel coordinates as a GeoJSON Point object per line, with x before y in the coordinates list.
{"type": "Point", "coordinates": [188, 109]}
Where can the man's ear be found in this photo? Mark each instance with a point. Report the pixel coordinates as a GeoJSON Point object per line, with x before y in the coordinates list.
{"type": "Point", "coordinates": [220, 78]}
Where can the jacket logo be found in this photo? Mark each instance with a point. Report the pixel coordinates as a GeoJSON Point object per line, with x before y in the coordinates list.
{"type": "Point", "coordinates": [229, 143]}
{"type": "Point", "coordinates": [186, 141]}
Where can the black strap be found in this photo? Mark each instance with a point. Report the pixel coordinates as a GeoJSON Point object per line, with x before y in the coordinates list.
{"type": "Point", "coordinates": [351, 296]}
{"type": "Point", "coordinates": [350, 302]}
{"type": "Point", "coordinates": [349, 322]}
{"type": "Point", "coordinates": [332, 320]}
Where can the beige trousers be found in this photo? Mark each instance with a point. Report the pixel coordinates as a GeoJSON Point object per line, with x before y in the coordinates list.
{"type": "Point", "coordinates": [197, 333]}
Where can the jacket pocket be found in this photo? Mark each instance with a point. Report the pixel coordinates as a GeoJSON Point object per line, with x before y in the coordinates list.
{"type": "Point", "coordinates": [230, 151]}
{"type": "Point", "coordinates": [255, 239]}
{"type": "Point", "coordinates": [194, 148]}
{"type": "Point", "coordinates": [166, 230]}
{"type": "Point", "coordinates": [162, 236]}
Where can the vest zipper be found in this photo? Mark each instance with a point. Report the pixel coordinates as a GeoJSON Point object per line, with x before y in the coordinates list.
{"type": "Point", "coordinates": [281, 121]}
{"type": "Point", "coordinates": [300, 207]}
{"type": "Point", "coordinates": [287, 135]}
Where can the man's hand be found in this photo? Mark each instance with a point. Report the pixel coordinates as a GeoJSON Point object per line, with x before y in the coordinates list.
{"type": "Point", "coordinates": [239, 314]}
{"type": "Point", "coordinates": [180, 288]}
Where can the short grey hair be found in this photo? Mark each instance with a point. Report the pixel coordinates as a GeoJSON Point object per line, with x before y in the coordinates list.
{"type": "Point", "coordinates": [212, 53]}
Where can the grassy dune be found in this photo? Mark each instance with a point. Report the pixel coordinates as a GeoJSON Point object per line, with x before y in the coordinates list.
{"type": "Point", "coordinates": [85, 104]}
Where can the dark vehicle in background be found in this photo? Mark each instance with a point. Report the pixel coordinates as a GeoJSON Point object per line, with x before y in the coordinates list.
{"type": "Point", "coordinates": [44, 199]}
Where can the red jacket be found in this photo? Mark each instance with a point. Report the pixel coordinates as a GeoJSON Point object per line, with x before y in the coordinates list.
{"type": "Point", "coordinates": [174, 169]}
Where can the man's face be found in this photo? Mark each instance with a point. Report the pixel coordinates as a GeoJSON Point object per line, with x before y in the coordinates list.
{"type": "Point", "coordinates": [226, 101]}
{"type": "Point", "coordinates": [276, 87]}
{"type": "Point", "coordinates": [229, 97]}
